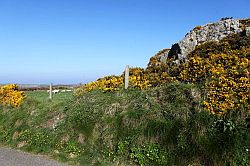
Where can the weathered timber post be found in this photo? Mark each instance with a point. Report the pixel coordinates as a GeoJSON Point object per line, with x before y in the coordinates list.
{"type": "Point", "coordinates": [126, 77]}
{"type": "Point", "coordinates": [50, 91]}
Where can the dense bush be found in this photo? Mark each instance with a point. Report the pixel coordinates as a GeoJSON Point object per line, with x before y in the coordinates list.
{"type": "Point", "coordinates": [139, 78]}
{"type": "Point", "coordinates": [223, 69]}
{"type": "Point", "coordinates": [109, 83]}
{"type": "Point", "coordinates": [10, 95]}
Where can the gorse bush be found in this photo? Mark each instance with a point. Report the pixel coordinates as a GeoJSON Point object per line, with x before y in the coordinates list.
{"type": "Point", "coordinates": [106, 84]}
{"type": "Point", "coordinates": [10, 95]}
{"type": "Point", "coordinates": [224, 75]}
{"type": "Point", "coordinates": [139, 78]}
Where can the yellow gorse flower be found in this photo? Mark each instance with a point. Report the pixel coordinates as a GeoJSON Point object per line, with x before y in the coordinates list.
{"type": "Point", "coordinates": [10, 95]}
{"type": "Point", "coordinates": [226, 78]}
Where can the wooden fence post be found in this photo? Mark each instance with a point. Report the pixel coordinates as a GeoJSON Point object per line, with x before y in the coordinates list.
{"type": "Point", "coordinates": [50, 91]}
{"type": "Point", "coordinates": [126, 77]}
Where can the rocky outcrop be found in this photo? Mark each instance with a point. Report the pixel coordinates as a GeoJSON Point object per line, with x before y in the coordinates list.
{"type": "Point", "coordinates": [200, 34]}
{"type": "Point", "coordinates": [247, 30]}
{"type": "Point", "coordinates": [161, 56]}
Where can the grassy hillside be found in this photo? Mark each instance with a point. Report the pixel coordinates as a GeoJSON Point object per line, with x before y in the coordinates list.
{"type": "Point", "coordinates": [160, 126]}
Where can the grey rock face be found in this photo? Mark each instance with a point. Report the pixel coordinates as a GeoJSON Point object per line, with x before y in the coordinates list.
{"type": "Point", "coordinates": [210, 32]}
{"type": "Point", "coordinates": [163, 57]}
{"type": "Point", "coordinates": [247, 31]}
{"type": "Point", "coordinates": [200, 34]}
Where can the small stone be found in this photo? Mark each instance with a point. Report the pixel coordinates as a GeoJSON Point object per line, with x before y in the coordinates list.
{"type": "Point", "coordinates": [21, 144]}
{"type": "Point", "coordinates": [56, 151]}
{"type": "Point", "coordinates": [71, 155]}
{"type": "Point", "coordinates": [247, 31]}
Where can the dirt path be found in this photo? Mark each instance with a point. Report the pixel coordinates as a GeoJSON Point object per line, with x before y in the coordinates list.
{"type": "Point", "coordinates": [11, 157]}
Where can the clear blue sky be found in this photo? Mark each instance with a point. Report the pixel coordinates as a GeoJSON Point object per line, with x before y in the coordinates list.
{"type": "Point", "coordinates": [73, 41]}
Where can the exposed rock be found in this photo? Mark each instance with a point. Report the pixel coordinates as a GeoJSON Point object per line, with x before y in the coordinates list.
{"type": "Point", "coordinates": [247, 29]}
{"type": "Point", "coordinates": [21, 144]}
{"type": "Point", "coordinates": [56, 151]}
{"type": "Point", "coordinates": [161, 56]}
{"type": "Point", "coordinates": [72, 155]}
{"type": "Point", "coordinates": [200, 34]}
{"type": "Point", "coordinates": [210, 32]}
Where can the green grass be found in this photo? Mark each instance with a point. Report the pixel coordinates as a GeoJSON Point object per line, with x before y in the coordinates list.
{"type": "Point", "coordinates": [159, 126]}
{"type": "Point", "coordinates": [43, 96]}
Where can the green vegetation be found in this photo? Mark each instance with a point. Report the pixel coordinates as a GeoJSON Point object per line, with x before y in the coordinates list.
{"type": "Point", "coordinates": [43, 96]}
{"type": "Point", "coordinates": [160, 126]}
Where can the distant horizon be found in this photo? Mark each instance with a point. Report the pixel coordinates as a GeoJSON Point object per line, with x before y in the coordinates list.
{"type": "Point", "coordinates": [32, 82]}
{"type": "Point", "coordinates": [71, 42]}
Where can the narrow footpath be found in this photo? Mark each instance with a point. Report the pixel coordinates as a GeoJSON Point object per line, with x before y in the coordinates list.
{"type": "Point", "coordinates": [11, 157]}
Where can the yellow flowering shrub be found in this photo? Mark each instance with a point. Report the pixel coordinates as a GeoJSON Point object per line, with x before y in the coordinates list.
{"type": "Point", "coordinates": [10, 95]}
{"type": "Point", "coordinates": [138, 78]}
{"type": "Point", "coordinates": [225, 77]}
{"type": "Point", "coordinates": [106, 84]}
{"type": "Point", "coordinates": [158, 72]}
{"type": "Point", "coordinates": [195, 70]}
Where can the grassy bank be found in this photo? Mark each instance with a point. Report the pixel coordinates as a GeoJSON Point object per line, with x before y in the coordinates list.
{"type": "Point", "coordinates": [160, 126]}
